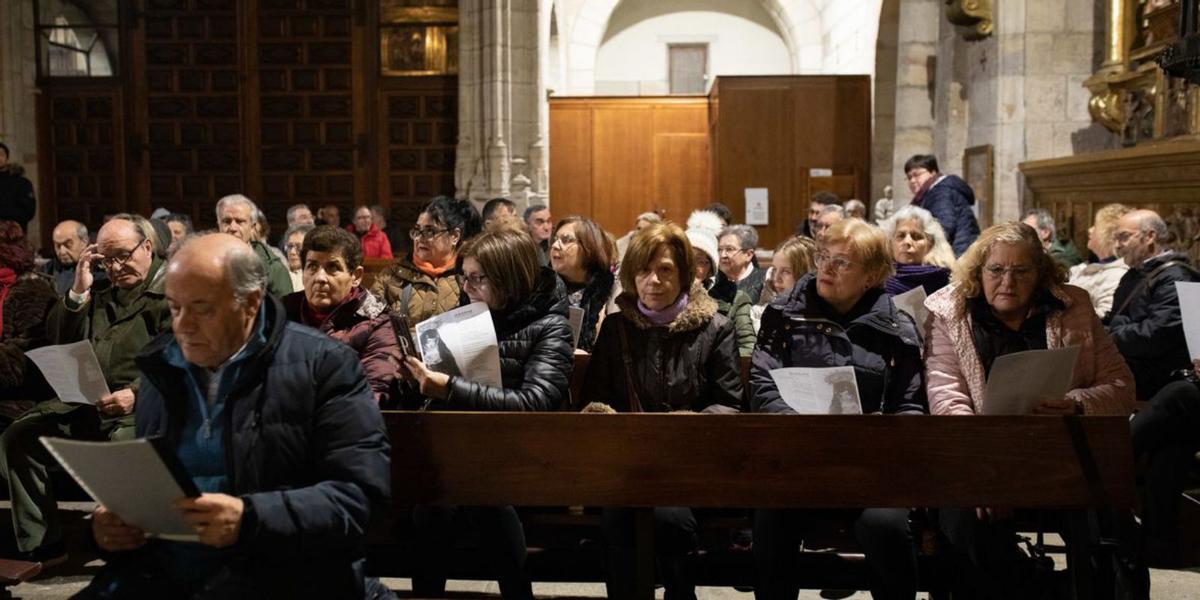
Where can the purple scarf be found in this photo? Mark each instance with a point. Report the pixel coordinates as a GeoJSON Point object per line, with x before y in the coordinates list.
{"type": "Point", "coordinates": [664, 317]}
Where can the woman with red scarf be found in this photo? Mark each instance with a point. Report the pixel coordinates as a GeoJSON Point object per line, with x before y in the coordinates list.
{"type": "Point", "coordinates": [25, 299]}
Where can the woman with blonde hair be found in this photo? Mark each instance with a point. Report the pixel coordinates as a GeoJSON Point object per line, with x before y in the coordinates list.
{"type": "Point", "coordinates": [1008, 295]}
{"type": "Point", "coordinates": [920, 251]}
{"type": "Point", "coordinates": [1100, 278]}
{"type": "Point", "coordinates": [841, 316]}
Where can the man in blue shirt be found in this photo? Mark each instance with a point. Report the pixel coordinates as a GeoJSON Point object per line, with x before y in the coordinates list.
{"type": "Point", "coordinates": [277, 426]}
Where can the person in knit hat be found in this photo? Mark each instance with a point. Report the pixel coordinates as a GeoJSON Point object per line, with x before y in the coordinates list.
{"type": "Point", "coordinates": [731, 302]}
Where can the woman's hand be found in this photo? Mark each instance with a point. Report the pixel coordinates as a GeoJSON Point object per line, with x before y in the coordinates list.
{"type": "Point", "coordinates": [432, 383]}
{"type": "Point", "coordinates": [1062, 406]}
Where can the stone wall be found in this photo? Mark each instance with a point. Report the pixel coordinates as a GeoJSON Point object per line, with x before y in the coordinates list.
{"type": "Point", "coordinates": [18, 75]}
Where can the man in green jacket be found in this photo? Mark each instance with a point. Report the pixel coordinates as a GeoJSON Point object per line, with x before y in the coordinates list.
{"type": "Point", "coordinates": [118, 316]}
{"type": "Point", "coordinates": [236, 215]}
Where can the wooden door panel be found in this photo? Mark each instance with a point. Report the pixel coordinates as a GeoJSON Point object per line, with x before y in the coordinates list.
{"type": "Point", "coordinates": [571, 160]}
{"type": "Point", "coordinates": [680, 176]}
{"type": "Point", "coordinates": [190, 118]}
{"type": "Point", "coordinates": [82, 149]}
{"type": "Point", "coordinates": [419, 138]}
{"type": "Point", "coordinates": [622, 135]}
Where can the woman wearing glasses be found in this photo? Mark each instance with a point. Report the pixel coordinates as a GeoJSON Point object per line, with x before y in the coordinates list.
{"type": "Point", "coordinates": [427, 282]}
{"type": "Point", "coordinates": [500, 269]}
{"type": "Point", "coordinates": [583, 258]}
{"type": "Point", "coordinates": [841, 316]}
{"type": "Point", "coordinates": [1007, 295]}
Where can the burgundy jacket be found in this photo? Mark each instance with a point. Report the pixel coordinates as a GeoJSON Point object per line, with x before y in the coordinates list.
{"type": "Point", "coordinates": [361, 323]}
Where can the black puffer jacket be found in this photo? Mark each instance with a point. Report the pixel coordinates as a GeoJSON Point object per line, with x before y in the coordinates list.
{"type": "Point", "coordinates": [305, 449]}
{"type": "Point", "coordinates": [799, 329]}
{"type": "Point", "coordinates": [536, 356]}
{"type": "Point", "coordinates": [1147, 325]}
{"type": "Point", "coordinates": [692, 364]}
{"type": "Point", "coordinates": [16, 196]}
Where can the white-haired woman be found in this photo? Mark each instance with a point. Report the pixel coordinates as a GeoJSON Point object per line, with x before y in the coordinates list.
{"type": "Point", "coordinates": [921, 254]}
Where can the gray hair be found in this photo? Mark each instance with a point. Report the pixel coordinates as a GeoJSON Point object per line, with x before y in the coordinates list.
{"type": "Point", "coordinates": [1045, 222]}
{"type": "Point", "coordinates": [294, 229]}
{"type": "Point", "coordinates": [143, 226]}
{"type": "Point", "coordinates": [532, 209]}
{"type": "Point", "coordinates": [256, 215]}
{"type": "Point", "coordinates": [652, 217]}
{"type": "Point", "coordinates": [837, 208]}
{"type": "Point", "coordinates": [244, 270]}
{"type": "Point", "coordinates": [1153, 222]}
{"type": "Point", "coordinates": [746, 235]}
{"type": "Point", "coordinates": [81, 231]}
{"type": "Point", "coordinates": [291, 211]}
{"type": "Point", "coordinates": [940, 254]}
{"type": "Point", "coordinates": [857, 207]}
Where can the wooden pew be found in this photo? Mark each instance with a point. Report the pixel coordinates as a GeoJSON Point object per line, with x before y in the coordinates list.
{"type": "Point", "coordinates": [768, 461]}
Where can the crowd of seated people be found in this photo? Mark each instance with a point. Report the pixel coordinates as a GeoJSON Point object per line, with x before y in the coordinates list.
{"type": "Point", "coordinates": [189, 326]}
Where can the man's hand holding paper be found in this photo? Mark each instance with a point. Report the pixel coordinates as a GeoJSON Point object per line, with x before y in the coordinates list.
{"type": "Point", "coordinates": [116, 404]}
{"type": "Point", "coordinates": [217, 518]}
{"type": "Point", "coordinates": [114, 535]}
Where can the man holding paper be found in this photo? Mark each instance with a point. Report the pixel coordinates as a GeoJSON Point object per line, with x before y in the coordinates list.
{"type": "Point", "coordinates": [275, 423]}
{"type": "Point", "coordinates": [118, 316]}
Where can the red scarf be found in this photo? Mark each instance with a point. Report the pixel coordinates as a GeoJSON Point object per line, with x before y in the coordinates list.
{"type": "Point", "coordinates": [315, 318]}
{"type": "Point", "coordinates": [7, 278]}
{"type": "Point", "coordinates": [920, 195]}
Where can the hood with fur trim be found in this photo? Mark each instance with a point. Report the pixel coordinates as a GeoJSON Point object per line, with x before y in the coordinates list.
{"type": "Point", "coordinates": [698, 312]}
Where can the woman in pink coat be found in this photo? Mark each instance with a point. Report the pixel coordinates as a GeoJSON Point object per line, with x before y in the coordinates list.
{"type": "Point", "coordinates": [1007, 295]}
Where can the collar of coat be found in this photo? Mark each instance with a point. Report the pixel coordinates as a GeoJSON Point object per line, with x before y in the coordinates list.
{"type": "Point", "coordinates": [549, 297]}
{"type": "Point", "coordinates": [364, 306]}
{"type": "Point", "coordinates": [882, 315]}
{"type": "Point", "coordinates": [405, 270]}
{"type": "Point", "coordinates": [698, 312]}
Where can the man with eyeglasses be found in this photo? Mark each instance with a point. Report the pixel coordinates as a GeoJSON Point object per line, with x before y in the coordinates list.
{"type": "Point", "coordinates": [1145, 322]}
{"type": "Point", "coordinates": [119, 317]}
{"type": "Point", "coordinates": [948, 197]}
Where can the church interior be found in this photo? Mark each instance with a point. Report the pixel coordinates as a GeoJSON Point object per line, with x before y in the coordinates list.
{"type": "Point", "coordinates": [608, 109]}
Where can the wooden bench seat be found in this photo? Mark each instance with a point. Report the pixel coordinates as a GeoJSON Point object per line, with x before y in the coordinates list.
{"type": "Point", "coordinates": [767, 461]}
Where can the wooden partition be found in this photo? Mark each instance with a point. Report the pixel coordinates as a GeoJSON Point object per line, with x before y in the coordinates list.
{"type": "Point", "coordinates": [771, 132]}
{"type": "Point", "coordinates": [614, 158]}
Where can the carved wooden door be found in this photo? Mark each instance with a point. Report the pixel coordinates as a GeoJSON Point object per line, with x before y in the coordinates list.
{"type": "Point", "coordinates": [81, 149]}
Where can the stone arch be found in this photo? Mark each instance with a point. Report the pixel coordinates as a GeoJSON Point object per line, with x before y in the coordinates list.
{"type": "Point", "coordinates": [794, 19]}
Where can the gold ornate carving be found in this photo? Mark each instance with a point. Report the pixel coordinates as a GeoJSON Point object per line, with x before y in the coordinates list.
{"type": "Point", "coordinates": [976, 15]}
{"type": "Point", "coordinates": [1107, 109]}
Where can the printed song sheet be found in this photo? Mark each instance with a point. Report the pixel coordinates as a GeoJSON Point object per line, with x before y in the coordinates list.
{"type": "Point", "coordinates": [72, 370]}
{"type": "Point", "coordinates": [103, 470]}
{"type": "Point", "coordinates": [819, 391]}
{"type": "Point", "coordinates": [1189, 308]}
{"type": "Point", "coordinates": [1020, 381]}
{"type": "Point", "coordinates": [913, 303]}
{"type": "Point", "coordinates": [575, 317]}
{"type": "Point", "coordinates": [462, 342]}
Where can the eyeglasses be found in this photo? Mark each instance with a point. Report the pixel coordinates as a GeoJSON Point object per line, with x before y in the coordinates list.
{"type": "Point", "coordinates": [837, 263]}
{"type": "Point", "coordinates": [565, 240]}
{"type": "Point", "coordinates": [997, 272]}
{"type": "Point", "coordinates": [120, 260]}
{"type": "Point", "coordinates": [1125, 236]}
{"type": "Point", "coordinates": [915, 173]}
{"type": "Point", "coordinates": [290, 247]}
{"type": "Point", "coordinates": [425, 233]}
{"type": "Point", "coordinates": [475, 279]}
{"type": "Point", "coordinates": [728, 250]}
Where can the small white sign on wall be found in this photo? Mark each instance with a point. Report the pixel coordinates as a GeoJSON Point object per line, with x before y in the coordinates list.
{"type": "Point", "coordinates": [757, 207]}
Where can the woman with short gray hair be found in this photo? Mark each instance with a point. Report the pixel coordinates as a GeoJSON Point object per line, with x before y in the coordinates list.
{"type": "Point", "coordinates": [921, 254]}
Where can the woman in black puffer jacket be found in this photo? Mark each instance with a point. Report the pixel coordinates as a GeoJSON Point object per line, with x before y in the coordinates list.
{"type": "Point", "coordinates": [529, 310]}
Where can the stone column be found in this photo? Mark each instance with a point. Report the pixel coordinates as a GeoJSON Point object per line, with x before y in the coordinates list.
{"type": "Point", "coordinates": [916, 65]}
{"type": "Point", "coordinates": [18, 93]}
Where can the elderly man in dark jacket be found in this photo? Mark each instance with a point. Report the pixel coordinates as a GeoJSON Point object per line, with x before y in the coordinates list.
{"type": "Point", "coordinates": [276, 425]}
{"type": "Point", "coordinates": [1146, 323]}
{"type": "Point", "coordinates": [118, 317]}
{"type": "Point", "coordinates": [948, 197]}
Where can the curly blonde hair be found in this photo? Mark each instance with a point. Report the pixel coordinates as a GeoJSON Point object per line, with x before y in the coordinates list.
{"type": "Point", "coordinates": [968, 271]}
{"type": "Point", "coordinates": [1106, 220]}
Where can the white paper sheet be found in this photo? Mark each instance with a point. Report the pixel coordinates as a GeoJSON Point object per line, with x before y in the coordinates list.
{"type": "Point", "coordinates": [72, 370]}
{"type": "Point", "coordinates": [913, 303]}
{"type": "Point", "coordinates": [575, 317]}
{"type": "Point", "coordinates": [757, 206]}
{"type": "Point", "coordinates": [129, 479]}
{"type": "Point", "coordinates": [1189, 308]}
{"type": "Point", "coordinates": [1020, 381]}
{"type": "Point", "coordinates": [462, 342]}
{"type": "Point", "coordinates": [819, 391]}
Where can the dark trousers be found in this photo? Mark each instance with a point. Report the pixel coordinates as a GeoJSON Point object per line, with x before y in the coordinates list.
{"type": "Point", "coordinates": [501, 536]}
{"type": "Point", "coordinates": [986, 562]}
{"type": "Point", "coordinates": [884, 534]}
{"type": "Point", "coordinates": [676, 539]}
{"type": "Point", "coordinates": [1168, 434]}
